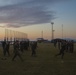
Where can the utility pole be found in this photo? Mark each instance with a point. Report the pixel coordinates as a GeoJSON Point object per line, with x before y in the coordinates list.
{"type": "Point", "coordinates": [53, 33]}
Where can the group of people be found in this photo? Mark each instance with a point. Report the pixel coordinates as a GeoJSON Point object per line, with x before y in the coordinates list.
{"type": "Point", "coordinates": [5, 46]}
{"type": "Point", "coordinates": [64, 46]}
{"type": "Point", "coordinates": [19, 46]}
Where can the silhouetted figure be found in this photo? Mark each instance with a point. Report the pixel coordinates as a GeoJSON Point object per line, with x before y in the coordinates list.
{"type": "Point", "coordinates": [7, 48]}
{"type": "Point", "coordinates": [21, 46]}
{"type": "Point", "coordinates": [33, 48]}
{"type": "Point", "coordinates": [71, 46]}
{"type": "Point", "coordinates": [63, 46]}
{"type": "Point", "coordinates": [27, 44]}
{"type": "Point", "coordinates": [55, 43]}
{"type": "Point", "coordinates": [4, 45]}
{"type": "Point", "coordinates": [16, 50]}
{"type": "Point", "coordinates": [67, 46]}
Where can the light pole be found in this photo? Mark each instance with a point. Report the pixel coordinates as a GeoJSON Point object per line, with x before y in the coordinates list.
{"type": "Point", "coordinates": [53, 33]}
{"type": "Point", "coordinates": [52, 30]}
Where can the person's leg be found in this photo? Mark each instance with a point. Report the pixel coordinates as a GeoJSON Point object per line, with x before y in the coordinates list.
{"type": "Point", "coordinates": [20, 56]}
{"type": "Point", "coordinates": [14, 56]}
{"type": "Point", "coordinates": [32, 52]}
{"type": "Point", "coordinates": [4, 51]}
{"type": "Point", "coordinates": [59, 53]}
{"type": "Point", "coordinates": [62, 55]}
{"type": "Point", "coordinates": [8, 52]}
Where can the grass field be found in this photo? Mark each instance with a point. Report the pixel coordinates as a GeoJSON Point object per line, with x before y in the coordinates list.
{"type": "Point", "coordinates": [44, 64]}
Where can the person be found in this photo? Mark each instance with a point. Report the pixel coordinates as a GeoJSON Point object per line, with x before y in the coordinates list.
{"type": "Point", "coordinates": [16, 51]}
{"type": "Point", "coordinates": [3, 46]}
{"type": "Point", "coordinates": [71, 46]}
{"type": "Point", "coordinates": [55, 43]}
{"type": "Point", "coordinates": [7, 48]}
{"type": "Point", "coordinates": [21, 46]}
{"type": "Point", "coordinates": [33, 48]}
{"type": "Point", "coordinates": [63, 47]}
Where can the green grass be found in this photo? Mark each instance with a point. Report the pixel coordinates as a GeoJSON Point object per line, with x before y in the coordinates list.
{"type": "Point", "coordinates": [44, 64]}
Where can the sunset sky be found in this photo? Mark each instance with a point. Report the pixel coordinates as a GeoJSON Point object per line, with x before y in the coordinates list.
{"type": "Point", "coordinates": [35, 16]}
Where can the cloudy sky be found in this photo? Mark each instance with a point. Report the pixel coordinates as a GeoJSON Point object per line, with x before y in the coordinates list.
{"type": "Point", "coordinates": [34, 16]}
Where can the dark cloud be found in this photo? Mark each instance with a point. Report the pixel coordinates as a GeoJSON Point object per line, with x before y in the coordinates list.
{"type": "Point", "coordinates": [18, 13]}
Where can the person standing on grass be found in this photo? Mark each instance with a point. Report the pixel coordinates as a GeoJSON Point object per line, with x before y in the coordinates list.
{"type": "Point", "coordinates": [55, 43]}
{"type": "Point", "coordinates": [3, 46]}
{"type": "Point", "coordinates": [16, 51]}
{"type": "Point", "coordinates": [63, 47]}
{"type": "Point", "coordinates": [21, 46]}
{"type": "Point", "coordinates": [71, 46]}
{"type": "Point", "coordinates": [33, 48]}
{"type": "Point", "coordinates": [7, 48]}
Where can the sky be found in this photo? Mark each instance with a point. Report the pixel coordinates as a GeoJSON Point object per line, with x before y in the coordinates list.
{"type": "Point", "coordinates": [34, 16]}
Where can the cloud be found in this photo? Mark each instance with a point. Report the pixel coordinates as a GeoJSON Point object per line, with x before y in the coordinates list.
{"type": "Point", "coordinates": [18, 13]}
